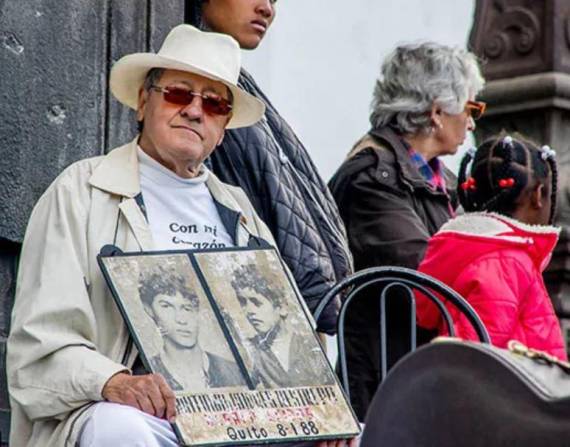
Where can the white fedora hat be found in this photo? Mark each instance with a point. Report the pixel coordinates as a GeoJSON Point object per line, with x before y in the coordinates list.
{"type": "Point", "coordinates": [212, 55]}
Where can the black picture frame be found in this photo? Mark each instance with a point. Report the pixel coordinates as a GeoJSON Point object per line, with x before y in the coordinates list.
{"type": "Point", "coordinates": [229, 331]}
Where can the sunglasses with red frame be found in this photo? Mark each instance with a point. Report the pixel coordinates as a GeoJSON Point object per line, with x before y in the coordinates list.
{"type": "Point", "coordinates": [212, 104]}
{"type": "Point", "coordinates": [475, 109]}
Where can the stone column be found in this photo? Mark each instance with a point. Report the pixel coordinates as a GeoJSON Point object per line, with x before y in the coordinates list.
{"type": "Point", "coordinates": [525, 49]}
{"type": "Point", "coordinates": [55, 107]}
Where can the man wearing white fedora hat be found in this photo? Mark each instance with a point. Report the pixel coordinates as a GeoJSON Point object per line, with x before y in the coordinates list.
{"type": "Point", "coordinates": [70, 363]}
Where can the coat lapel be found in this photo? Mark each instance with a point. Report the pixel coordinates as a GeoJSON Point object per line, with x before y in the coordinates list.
{"type": "Point", "coordinates": [138, 223]}
{"type": "Point", "coordinates": [118, 174]}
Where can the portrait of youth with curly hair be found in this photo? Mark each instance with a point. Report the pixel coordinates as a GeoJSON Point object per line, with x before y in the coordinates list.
{"type": "Point", "coordinates": [283, 353]}
{"type": "Point", "coordinates": [183, 362]}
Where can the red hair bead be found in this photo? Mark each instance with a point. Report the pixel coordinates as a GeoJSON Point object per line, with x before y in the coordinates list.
{"type": "Point", "coordinates": [468, 184]}
{"type": "Point", "coordinates": [507, 182]}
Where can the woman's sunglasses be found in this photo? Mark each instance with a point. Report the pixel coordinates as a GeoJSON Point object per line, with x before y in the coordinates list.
{"type": "Point", "coordinates": [212, 104]}
{"type": "Point", "coordinates": [475, 109]}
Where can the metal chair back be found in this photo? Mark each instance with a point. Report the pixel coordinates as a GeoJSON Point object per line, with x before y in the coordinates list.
{"type": "Point", "coordinates": [389, 279]}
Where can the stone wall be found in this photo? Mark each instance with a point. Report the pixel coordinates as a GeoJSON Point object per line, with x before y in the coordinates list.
{"type": "Point", "coordinates": [8, 257]}
{"type": "Point", "coordinates": [55, 108]}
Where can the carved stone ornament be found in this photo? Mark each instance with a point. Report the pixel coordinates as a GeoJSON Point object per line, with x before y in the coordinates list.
{"type": "Point", "coordinates": [515, 27]}
{"type": "Point", "coordinates": [521, 37]}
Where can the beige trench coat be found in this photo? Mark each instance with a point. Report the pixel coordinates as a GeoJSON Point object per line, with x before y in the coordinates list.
{"type": "Point", "coordinates": [68, 337]}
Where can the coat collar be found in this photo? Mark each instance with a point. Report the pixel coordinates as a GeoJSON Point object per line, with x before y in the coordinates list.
{"type": "Point", "coordinates": [493, 224]}
{"type": "Point", "coordinates": [538, 240]}
{"type": "Point", "coordinates": [118, 173]}
{"type": "Point", "coordinates": [409, 172]}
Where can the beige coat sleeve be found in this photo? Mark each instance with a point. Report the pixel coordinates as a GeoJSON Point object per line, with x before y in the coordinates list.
{"type": "Point", "coordinates": [52, 362]}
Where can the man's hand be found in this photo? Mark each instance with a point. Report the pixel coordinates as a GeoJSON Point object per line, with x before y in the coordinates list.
{"type": "Point", "coordinates": [149, 393]}
{"type": "Point", "coordinates": [340, 443]}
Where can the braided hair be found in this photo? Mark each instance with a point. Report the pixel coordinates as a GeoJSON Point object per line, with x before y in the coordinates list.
{"type": "Point", "coordinates": [502, 168]}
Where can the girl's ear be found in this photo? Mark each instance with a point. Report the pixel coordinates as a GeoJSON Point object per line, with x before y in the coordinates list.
{"type": "Point", "coordinates": [541, 204]}
{"type": "Point", "coordinates": [537, 196]}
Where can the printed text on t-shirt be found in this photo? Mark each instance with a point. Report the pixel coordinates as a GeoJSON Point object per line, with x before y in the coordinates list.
{"type": "Point", "coordinates": [188, 234]}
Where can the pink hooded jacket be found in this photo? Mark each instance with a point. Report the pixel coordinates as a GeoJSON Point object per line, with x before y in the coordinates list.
{"type": "Point", "coordinates": [496, 264]}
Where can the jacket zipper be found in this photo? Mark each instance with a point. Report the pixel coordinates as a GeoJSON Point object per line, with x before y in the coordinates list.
{"type": "Point", "coordinates": [285, 160]}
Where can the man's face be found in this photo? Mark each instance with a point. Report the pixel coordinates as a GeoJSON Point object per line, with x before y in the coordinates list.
{"type": "Point", "coordinates": [181, 137]}
{"type": "Point", "coordinates": [177, 317]}
{"type": "Point", "coordinates": [246, 21]}
{"type": "Point", "coordinates": [259, 310]}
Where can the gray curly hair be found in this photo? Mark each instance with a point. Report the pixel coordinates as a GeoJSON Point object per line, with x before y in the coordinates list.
{"type": "Point", "coordinates": [416, 76]}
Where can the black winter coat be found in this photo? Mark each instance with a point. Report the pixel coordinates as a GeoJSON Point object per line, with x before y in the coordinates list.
{"type": "Point", "coordinates": [390, 211]}
{"type": "Point", "coordinates": [276, 172]}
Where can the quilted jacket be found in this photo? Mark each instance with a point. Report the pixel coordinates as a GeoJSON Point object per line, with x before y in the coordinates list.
{"type": "Point", "coordinates": [496, 263]}
{"type": "Point", "coordinates": [270, 164]}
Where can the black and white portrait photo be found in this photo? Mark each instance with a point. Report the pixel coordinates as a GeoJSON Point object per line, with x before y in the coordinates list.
{"type": "Point", "coordinates": [176, 311]}
{"type": "Point", "coordinates": [229, 332]}
{"type": "Point", "coordinates": [176, 328]}
{"type": "Point", "coordinates": [271, 329]}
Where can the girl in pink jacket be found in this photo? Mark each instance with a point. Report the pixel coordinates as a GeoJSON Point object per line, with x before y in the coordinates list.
{"type": "Point", "coordinates": [494, 255]}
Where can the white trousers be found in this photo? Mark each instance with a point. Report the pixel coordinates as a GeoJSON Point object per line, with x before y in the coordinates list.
{"type": "Point", "coordinates": [113, 424]}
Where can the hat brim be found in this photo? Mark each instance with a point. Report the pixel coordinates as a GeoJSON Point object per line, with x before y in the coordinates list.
{"type": "Point", "coordinates": [129, 72]}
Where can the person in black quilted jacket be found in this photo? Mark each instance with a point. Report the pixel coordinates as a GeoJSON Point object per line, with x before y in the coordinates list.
{"type": "Point", "coordinates": [273, 167]}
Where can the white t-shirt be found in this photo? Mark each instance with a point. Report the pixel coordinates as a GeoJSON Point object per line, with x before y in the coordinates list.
{"type": "Point", "coordinates": [181, 212]}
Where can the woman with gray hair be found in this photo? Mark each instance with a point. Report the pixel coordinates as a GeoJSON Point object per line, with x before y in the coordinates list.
{"type": "Point", "coordinates": [393, 191]}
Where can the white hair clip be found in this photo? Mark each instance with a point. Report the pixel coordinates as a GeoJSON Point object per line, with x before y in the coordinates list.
{"type": "Point", "coordinates": [547, 152]}
{"type": "Point", "coordinates": [508, 141]}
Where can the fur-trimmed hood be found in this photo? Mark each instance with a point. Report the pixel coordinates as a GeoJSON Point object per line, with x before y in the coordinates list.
{"type": "Point", "coordinates": [496, 264]}
{"type": "Point", "coordinates": [479, 233]}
